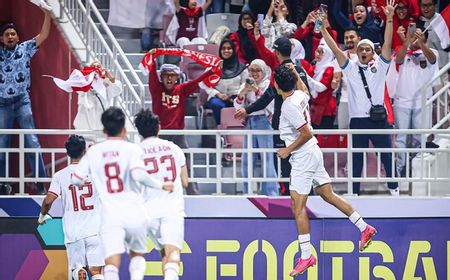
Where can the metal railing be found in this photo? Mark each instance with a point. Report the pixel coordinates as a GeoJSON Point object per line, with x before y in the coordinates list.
{"type": "Point", "coordinates": [208, 167]}
{"type": "Point", "coordinates": [83, 18]}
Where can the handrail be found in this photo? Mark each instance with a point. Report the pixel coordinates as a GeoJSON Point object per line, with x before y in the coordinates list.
{"type": "Point", "coordinates": [80, 16]}
{"type": "Point", "coordinates": [209, 159]}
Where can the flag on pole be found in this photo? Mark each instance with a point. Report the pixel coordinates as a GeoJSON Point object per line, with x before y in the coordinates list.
{"type": "Point", "coordinates": [42, 4]}
{"type": "Point", "coordinates": [441, 26]}
{"type": "Point", "coordinates": [82, 80]}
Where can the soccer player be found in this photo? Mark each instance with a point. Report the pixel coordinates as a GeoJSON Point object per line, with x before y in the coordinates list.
{"type": "Point", "coordinates": [81, 215]}
{"type": "Point", "coordinates": [307, 166]}
{"type": "Point", "coordinates": [165, 160]}
{"type": "Point", "coordinates": [116, 167]}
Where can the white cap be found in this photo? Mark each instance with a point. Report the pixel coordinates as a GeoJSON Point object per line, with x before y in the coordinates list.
{"type": "Point", "coordinates": [368, 42]}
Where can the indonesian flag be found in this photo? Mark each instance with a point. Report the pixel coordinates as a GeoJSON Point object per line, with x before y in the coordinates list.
{"type": "Point", "coordinates": [441, 26]}
{"type": "Point", "coordinates": [82, 80]}
{"type": "Point", "coordinates": [204, 59]}
{"type": "Point", "coordinates": [42, 4]}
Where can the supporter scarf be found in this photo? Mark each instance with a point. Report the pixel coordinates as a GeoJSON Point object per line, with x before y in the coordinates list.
{"type": "Point", "coordinates": [82, 80]}
{"type": "Point", "coordinates": [194, 12]}
{"type": "Point", "coordinates": [204, 59]}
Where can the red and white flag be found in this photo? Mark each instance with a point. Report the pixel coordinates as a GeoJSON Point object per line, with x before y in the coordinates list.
{"type": "Point", "coordinates": [82, 80]}
{"type": "Point", "coordinates": [441, 26]}
{"type": "Point", "coordinates": [204, 59]}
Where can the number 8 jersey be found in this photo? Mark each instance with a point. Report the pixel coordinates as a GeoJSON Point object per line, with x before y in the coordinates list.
{"type": "Point", "coordinates": [109, 164]}
{"type": "Point", "coordinates": [81, 210]}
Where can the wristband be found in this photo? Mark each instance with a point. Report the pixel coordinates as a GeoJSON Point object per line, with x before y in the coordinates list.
{"type": "Point", "coordinates": [43, 218]}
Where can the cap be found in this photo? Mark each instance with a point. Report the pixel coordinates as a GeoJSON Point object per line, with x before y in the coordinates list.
{"type": "Point", "coordinates": [368, 42]}
{"type": "Point", "coordinates": [170, 67]}
{"type": "Point", "coordinates": [283, 45]}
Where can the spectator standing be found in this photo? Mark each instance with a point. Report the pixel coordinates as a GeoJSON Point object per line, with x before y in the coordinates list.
{"type": "Point", "coordinates": [188, 21]}
{"type": "Point", "coordinates": [155, 10]}
{"type": "Point", "coordinates": [416, 66]}
{"type": "Point", "coordinates": [15, 86]}
{"type": "Point", "coordinates": [169, 102]}
{"type": "Point", "coordinates": [303, 31]}
{"type": "Point", "coordinates": [241, 39]}
{"type": "Point", "coordinates": [234, 74]}
{"type": "Point", "coordinates": [250, 91]}
{"type": "Point", "coordinates": [272, 30]}
{"type": "Point", "coordinates": [403, 17]}
{"type": "Point", "coordinates": [362, 21]}
{"type": "Point", "coordinates": [323, 72]}
{"type": "Point", "coordinates": [368, 75]}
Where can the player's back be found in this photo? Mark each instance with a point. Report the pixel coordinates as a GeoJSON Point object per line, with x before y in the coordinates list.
{"type": "Point", "coordinates": [81, 206]}
{"type": "Point", "coordinates": [164, 160]}
{"type": "Point", "coordinates": [110, 164]}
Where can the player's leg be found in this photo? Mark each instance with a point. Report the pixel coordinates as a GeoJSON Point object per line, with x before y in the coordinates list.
{"type": "Point", "coordinates": [112, 237]}
{"type": "Point", "coordinates": [112, 264]}
{"type": "Point", "coordinates": [325, 190]}
{"type": "Point", "coordinates": [137, 265]}
{"type": "Point", "coordinates": [94, 256]}
{"type": "Point", "coordinates": [76, 256]}
{"type": "Point", "coordinates": [172, 233]}
{"type": "Point", "coordinates": [301, 181]}
{"type": "Point", "coordinates": [136, 239]}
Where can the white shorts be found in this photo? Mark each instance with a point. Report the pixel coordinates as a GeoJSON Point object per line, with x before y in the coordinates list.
{"type": "Point", "coordinates": [167, 231]}
{"type": "Point", "coordinates": [119, 235]}
{"type": "Point", "coordinates": [307, 170]}
{"type": "Point", "coordinates": [85, 252]}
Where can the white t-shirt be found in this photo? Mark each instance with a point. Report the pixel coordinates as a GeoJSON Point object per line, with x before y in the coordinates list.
{"type": "Point", "coordinates": [344, 80]}
{"type": "Point", "coordinates": [164, 160]}
{"type": "Point", "coordinates": [375, 73]}
{"type": "Point", "coordinates": [413, 74]}
{"type": "Point", "coordinates": [81, 207]}
{"type": "Point", "coordinates": [109, 164]}
{"type": "Point", "coordinates": [294, 115]}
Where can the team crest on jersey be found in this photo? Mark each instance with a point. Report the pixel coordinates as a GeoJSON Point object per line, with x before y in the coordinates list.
{"type": "Point", "coordinates": [373, 69]}
{"type": "Point", "coordinates": [423, 64]}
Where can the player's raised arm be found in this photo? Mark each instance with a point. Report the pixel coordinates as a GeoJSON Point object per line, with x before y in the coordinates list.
{"type": "Point", "coordinates": [140, 175]}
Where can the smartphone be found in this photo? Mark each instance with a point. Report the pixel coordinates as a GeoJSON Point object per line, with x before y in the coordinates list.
{"type": "Point", "coordinates": [323, 8]}
{"type": "Point", "coordinates": [260, 20]}
{"type": "Point", "coordinates": [412, 28]}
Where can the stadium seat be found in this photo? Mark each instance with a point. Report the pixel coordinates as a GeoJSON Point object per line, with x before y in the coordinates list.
{"type": "Point", "coordinates": [231, 141]}
{"type": "Point", "coordinates": [215, 20]}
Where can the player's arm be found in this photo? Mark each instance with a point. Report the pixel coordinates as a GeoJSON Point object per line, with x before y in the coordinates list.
{"type": "Point", "coordinates": [305, 135]}
{"type": "Point", "coordinates": [184, 176]}
{"type": "Point", "coordinates": [45, 30]}
{"type": "Point", "coordinates": [81, 172]}
{"type": "Point", "coordinates": [46, 205]}
{"type": "Point", "coordinates": [140, 175]}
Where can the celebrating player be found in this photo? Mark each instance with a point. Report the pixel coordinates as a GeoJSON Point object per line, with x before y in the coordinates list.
{"type": "Point", "coordinates": [307, 166]}
{"type": "Point", "coordinates": [81, 215]}
{"type": "Point", "coordinates": [116, 166]}
{"type": "Point", "coordinates": [165, 160]}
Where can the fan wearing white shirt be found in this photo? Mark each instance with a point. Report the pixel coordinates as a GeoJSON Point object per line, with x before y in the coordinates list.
{"type": "Point", "coordinates": [117, 169]}
{"type": "Point", "coordinates": [374, 71]}
{"type": "Point", "coordinates": [307, 167]}
{"type": "Point", "coordinates": [167, 162]}
{"type": "Point", "coordinates": [81, 215]}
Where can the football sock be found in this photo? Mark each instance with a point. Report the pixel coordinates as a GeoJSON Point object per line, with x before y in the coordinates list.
{"type": "Point", "coordinates": [137, 268]}
{"type": "Point", "coordinates": [171, 271]}
{"type": "Point", "coordinates": [305, 245]}
{"type": "Point", "coordinates": [111, 272]}
{"type": "Point", "coordinates": [358, 221]}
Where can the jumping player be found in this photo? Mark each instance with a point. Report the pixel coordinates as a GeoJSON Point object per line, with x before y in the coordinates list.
{"type": "Point", "coordinates": [167, 162]}
{"type": "Point", "coordinates": [307, 166]}
{"type": "Point", "coordinates": [115, 167]}
{"type": "Point", "coordinates": [81, 215]}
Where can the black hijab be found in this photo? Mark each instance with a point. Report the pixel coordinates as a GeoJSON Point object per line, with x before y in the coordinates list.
{"type": "Point", "coordinates": [232, 67]}
{"type": "Point", "coordinates": [244, 41]}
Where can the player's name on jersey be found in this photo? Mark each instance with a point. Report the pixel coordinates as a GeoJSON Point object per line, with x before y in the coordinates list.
{"type": "Point", "coordinates": [157, 149]}
{"type": "Point", "coordinates": [110, 154]}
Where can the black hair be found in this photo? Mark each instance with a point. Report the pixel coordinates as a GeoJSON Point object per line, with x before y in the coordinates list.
{"type": "Point", "coordinates": [8, 26]}
{"type": "Point", "coordinates": [147, 123]}
{"type": "Point", "coordinates": [352, 28]}
{"type": "Point", "coordinates": [434, 2]}
{"type": "Point", "coordinates": [75, 146]}
{"type": "Point", "coordinates": [285, 78]}
{"type": "Point", "coordinates": [113, 120]}
{"type": "Point", "coordinates": [244, 40]}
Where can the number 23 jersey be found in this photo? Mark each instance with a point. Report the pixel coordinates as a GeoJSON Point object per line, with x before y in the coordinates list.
{"type": "Point", "coordinates": [81, 208]}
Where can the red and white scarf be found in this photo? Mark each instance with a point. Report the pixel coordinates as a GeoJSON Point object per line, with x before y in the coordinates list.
{"type": "Point", "coordinates": [82, 80]}
{"type": "Point", "coordinates": [204, 59]}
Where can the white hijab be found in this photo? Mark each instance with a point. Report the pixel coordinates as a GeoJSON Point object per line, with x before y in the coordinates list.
{"type": "Point", "coordinates": [264, 83]}
{"type": "Point", "coordinates": [325, 62]}
{"type": "Point", "coordinates": [298, 51]}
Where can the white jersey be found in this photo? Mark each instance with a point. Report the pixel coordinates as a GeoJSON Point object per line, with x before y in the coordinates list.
{"type": "Point", "coordinates": [81, 207]}
{"type": "Point", "coordinates": [164, 160]}
{"type": "Point", "coordinates": [109, 165]}
{"type": "Point", "coordinates": [295, 115]}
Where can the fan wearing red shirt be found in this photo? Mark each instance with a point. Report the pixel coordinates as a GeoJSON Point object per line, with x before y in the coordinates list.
{"type": "Point", "coordinates": [188, 20]}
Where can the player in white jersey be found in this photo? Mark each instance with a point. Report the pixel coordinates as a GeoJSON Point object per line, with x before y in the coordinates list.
{"type": "Point", "coordinates": [81, 215]}
{"type": "Point", "coordinates": [116, 167]}
{"type": "Point", "coordinates": [167, 162]}
{"type": "Point", "coordinates": [307, 166]}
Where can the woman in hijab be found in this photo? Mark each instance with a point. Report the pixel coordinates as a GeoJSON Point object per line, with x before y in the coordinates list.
{"type": "Point", "coordinates": [244, 48]}
{"type": "Point", "coordinates": [234, 74]}
{"type": "Point", "coordinates": [250, 91]}
{"type": "Point", "coordinates": [402, 18]}
{"type": "Point", "coordinates": [323, 107]}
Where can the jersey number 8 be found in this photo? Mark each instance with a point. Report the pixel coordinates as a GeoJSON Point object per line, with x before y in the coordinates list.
{"type": "Point", "coordinates": [114, 184]}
